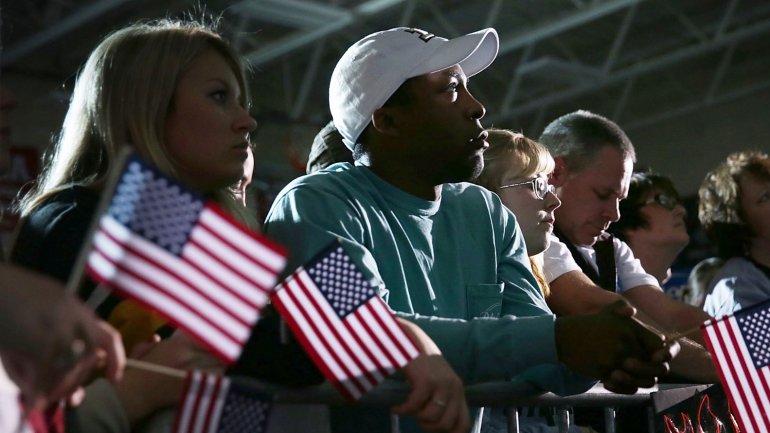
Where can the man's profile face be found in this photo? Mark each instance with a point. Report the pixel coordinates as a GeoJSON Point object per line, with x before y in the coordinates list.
{"type": "Point", "coordinates": [590, 197]}
{"type": "Point", "coordinates": [440, 126]}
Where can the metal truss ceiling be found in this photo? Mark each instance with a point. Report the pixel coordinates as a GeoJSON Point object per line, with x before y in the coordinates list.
{"type": "Point", "coordinates": [639, 62]}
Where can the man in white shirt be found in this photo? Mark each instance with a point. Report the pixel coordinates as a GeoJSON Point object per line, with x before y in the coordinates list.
{"type": "Point", "coordinates": [594, 161]}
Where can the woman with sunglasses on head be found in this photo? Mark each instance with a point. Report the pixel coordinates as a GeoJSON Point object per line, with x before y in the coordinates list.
{"type": "Point", "coordinates": [734, 209]}
{"type": "Point", "coordinates": [652, 223]}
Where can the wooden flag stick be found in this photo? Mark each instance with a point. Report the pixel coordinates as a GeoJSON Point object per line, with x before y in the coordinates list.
{"type": "Point", "coordinates": [156, 368]}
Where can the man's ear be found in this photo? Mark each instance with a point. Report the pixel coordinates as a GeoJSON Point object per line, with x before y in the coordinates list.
{"type": "Point", "coordinates": [384, 122]}
{"type": "Point", "coordinates": [560, 172]}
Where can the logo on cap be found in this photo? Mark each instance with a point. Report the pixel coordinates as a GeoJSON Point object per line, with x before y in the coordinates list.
{"type": "Point", "coordinates": [425, 36]}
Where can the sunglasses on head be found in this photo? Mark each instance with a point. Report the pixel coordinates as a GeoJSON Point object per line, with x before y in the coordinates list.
{"type": "Point", "coordinates": [667, 201]}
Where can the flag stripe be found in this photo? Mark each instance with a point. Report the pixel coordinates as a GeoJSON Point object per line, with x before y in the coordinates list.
{"type": "Point", "coordinates": [738, 371]}
{"type": "Point", "coordinates": [144, 293]}
{"type": "Point", "coordinates": [127, 244]}
{"type": "Point", "coordinates": [716, 345]}
{"type": "Point", "coordinates": [747, 386]}
{"type": "Point", "coordinates": [408, 348]}
{"type": "Point", "coordinates": [184, 257]}
{"type": "Point", "coordinates": [219, 403]}
{"type": "Point", "coordinates": [210, 416]}
{"type": "Point", "coordinates": [304, 332]}
{"type": "Point", "coordinates": [182, 419]}
{"type": "Point", "coordinates": [359, 335]}
{"type": "Point", "coordinates": [214, 404]}
{"type": "Point", "coordinates": [758, 388]}
{"type": "Point", "coordinates": [754, 394]}
{"type": "Point", "coordinates": [231, 256]}
{"type": "Point", "coordinates": [169, 284]}
{"type": "Point", "coordinates": [375, 326]}
{"type": "Point", "coordinates": [201, 402]}
{"type": "Point", "coordinates": [235, 287]}
{"type": "Point", "coordinates": [320, 336]}
{"type": "Point", "coordinates": [367, 335]}
{"type": "Point", "coordinates": [269, 254]}
{"type": "Point", "coordinates": [191, 298]}
{"type": "Point", "coordinates": [336, 333]}
{"type": "Point", "coordinates": [337, 317]}
{"type": "Point", "coordinates": [230, 262]}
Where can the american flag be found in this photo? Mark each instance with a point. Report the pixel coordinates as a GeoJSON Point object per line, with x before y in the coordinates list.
{"type": "Point", "coordinates": [173, 251]}
{"type": "Point", "coordinates": [740, 346]}
{"type": "Point", "coordinates": [343, 325]}
{"type": "Point", "coordinates": [214, 404]}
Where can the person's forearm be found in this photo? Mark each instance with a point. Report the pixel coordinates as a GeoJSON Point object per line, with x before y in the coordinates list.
{"type": "Point", "coordinates": [491, 349]}
{"type": "Point", "coordinates": [693, 364]}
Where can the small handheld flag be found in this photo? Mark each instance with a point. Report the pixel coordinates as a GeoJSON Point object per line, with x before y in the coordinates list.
{"type": "Point", "coordinates": [740, 346]}
{"type": "Point", "coordinates": [342, 324]}
{"type": "Point", "coordinates": [214, 404]}
{"type": "Point", "coordinates": [168, 248]}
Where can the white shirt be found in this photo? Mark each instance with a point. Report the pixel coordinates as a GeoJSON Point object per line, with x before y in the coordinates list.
{"type": "Point", "coordinates": [559, 261]}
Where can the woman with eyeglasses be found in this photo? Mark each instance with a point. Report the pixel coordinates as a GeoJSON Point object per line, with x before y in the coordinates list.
{"type": "Point", "coordinates": [735, 210]}
{"type": "Point", "coordinates": [652, 223]}
{"type": "Point", "coordinates": [517, 169]}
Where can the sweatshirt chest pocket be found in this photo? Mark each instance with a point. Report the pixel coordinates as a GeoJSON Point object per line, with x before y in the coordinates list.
{"type": "Point", "coordinates": [484, 300]}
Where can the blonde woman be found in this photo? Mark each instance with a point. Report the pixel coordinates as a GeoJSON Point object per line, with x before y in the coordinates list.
{"type": "Point", "coordinates": [183, 107]}
{"type": "Point", "coordinates": [176, 92]}
{"type": "Point", "coordinates": [517, 169]}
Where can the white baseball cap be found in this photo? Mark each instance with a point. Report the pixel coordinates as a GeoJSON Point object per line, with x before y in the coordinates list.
{"type": "Point", "coordinates": [375, 67]}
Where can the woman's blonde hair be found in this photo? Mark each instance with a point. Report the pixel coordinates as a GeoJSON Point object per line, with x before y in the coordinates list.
{"type": "Point", "coordinates": [123, 95]}
{"type": "Point", "coordinates": [508, 149]}
{"type": "Point", "coordinates": [512, 150]}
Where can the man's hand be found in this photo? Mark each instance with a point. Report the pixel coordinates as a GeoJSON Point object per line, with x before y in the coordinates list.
{"type": "Point", "coordinates": [615, 347]}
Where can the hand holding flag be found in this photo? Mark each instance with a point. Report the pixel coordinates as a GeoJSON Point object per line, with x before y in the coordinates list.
{"type": "Point", "coordinates": [343, 325]}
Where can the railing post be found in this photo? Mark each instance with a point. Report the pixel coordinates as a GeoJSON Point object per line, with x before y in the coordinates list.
{"type": "Point", "coordinates": [650, 419]}
{"type": "Point", "coordinates": [394, 427]}
{"type": "Point", "coordinates": [609, 419]}
{"type": "Point", "coordinates": [512, 415]}
{"type": "Point", "coordinates": [562, 419]}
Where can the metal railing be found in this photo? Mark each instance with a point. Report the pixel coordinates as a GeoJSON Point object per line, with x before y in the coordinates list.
{"type": "Point", "coordinates": [511, 395]}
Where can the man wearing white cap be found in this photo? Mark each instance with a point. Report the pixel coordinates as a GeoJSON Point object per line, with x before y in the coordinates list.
{"type": "Point", "coordinates": [446, 255]}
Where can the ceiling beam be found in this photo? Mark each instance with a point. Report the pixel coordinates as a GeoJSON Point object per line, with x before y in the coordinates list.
{"type": "Point", "coordinates": [639, 69]}
{"type": "Point", "coordinates": [77, 19]}
{"type": "Point", "coordinates": [302, 38]}
{"type": "Point", "coordinates": [584, 16]}
{"type": "Point", "coordinates": [292, 13]}
{"type": "Point", "coordinates": [620, 38]}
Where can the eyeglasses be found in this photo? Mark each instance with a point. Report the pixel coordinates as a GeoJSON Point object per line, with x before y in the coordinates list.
{"type": "Point", "coordinates": [665, 200]}
{"type": "Point", "coordinates": [540, 186]}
